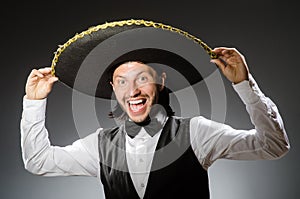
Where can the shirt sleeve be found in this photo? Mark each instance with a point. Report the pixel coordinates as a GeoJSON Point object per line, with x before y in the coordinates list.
{"type": "Point", "coordinates": [41, 158]}
{"type": "Point", "coordinates": [267, 140]}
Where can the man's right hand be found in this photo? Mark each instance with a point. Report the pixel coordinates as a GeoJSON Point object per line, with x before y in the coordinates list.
{"type": "Point", "coordinates": [39, 83]}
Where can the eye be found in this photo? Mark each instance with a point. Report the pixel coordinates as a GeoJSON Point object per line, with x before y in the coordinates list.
{"type": "Point", "coordinates": [142, 79]}
{"type": "Point", "coordinates": [122, 82]}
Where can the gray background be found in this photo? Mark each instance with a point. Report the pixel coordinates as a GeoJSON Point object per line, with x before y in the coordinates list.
{"type": "Point", "coordinates": [266, 32]}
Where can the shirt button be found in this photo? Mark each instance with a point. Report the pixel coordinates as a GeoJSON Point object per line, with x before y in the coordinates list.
{"type": "Point", "coordinates": [142, 185]}
{"type": "Point", "coordinates": [141, 160]}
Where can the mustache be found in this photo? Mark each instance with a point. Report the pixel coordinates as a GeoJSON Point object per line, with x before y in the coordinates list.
{"type": "Point", "coordinates": [127, 98]}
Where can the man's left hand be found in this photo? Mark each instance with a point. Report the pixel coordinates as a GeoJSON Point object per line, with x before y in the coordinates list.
{"type": "Point", "coordinates": [232, 64]}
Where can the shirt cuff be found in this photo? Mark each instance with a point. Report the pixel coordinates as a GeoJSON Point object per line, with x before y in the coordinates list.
{"type": "Point", "coordinates": [34, 110]}
{"type": "Point", "coordinates": [248, 90]}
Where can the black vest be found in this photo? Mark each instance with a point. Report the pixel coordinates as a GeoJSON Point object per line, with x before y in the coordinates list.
{"type": "Point", "coordinates": [175, 171]}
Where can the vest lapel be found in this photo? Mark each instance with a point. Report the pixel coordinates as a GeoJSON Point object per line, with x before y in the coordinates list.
{"type": "Point", "coordinates": [113, 163]}
{"type": "Point", "coordinates": [171, 144]}
{"type": "Point", "coordinates": [167, 151]}
{"type": "Point", "coordinates": [176, 172]}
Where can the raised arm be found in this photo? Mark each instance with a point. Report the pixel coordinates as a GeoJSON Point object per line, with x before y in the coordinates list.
{"type": "Point", "coordinates": [39, 156]}
{"type": "Point", "coordinates": [268, 138]}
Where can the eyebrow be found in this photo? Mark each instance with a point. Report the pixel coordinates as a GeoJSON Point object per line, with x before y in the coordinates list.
{"type": "Point", "coordinates": [120, 76]}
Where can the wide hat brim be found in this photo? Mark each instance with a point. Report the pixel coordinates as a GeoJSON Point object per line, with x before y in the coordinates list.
{"type": "Point", "coordinates": [86, 61]}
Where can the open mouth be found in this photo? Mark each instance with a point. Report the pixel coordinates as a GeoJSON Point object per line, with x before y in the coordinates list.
{"type": "Point", "coordinates": [137, 105]}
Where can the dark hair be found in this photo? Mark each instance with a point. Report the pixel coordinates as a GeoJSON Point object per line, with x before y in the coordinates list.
{"type": "Point", "coordinates": [163, 100]}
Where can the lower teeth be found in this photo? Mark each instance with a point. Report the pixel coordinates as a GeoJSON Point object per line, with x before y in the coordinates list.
{"type": "Point", "coordinates": [136, 107]}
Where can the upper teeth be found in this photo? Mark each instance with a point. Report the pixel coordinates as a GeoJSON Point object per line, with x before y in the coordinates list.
{"type": "Point", "coordinates": [135, 102]}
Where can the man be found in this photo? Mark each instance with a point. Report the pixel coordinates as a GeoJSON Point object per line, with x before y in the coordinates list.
{"type": "Point", "coordinates": [171, 162]}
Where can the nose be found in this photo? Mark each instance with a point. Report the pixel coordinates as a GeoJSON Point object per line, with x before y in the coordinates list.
{"type": "Point", "coordinates": [134, 90]}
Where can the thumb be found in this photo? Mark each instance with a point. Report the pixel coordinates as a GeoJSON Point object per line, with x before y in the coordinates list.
{"type": "Point", "coordinates": [220, 63]}
{"type": "Point", "coordinates": [51, 81]}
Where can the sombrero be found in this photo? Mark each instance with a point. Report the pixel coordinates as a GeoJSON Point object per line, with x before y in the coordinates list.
{"type": "Point", "coordinates": [87, 60]}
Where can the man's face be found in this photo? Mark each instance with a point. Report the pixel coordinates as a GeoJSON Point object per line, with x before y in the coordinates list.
{"type": "Point", "coordinates": [136, 89]}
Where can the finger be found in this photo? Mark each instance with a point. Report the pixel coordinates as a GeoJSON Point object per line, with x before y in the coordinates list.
{"type": "Point", "coordinates": [222, 52]}
{"type": "Point", "coordinates": [232, 52]}
{"type": "Point", "coordinates": [53, 79]}
{"type": "Point", "coordinates": [35, 73]}
{"type": "Point", "coordinates": [218, 51]}
{"type": "Point", "coordinates": [219, 63]}
{"type": "Point", "coordinates": [46, 70]}
{"type": "Point", "coordinates": [233, 60]}
{"type": "Point", "coordinates": [32, 81]}
{"type": "Point", "coordinates": [229, 53]}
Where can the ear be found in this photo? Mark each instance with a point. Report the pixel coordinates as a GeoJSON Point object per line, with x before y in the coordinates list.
{"type": "Point", "coordinates": [163, 78]}
{"type": "Point", "coordinates": [112, 85]}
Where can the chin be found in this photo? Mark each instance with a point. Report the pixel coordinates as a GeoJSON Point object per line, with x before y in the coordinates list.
{"type": "Point", "coordinates": [138, 116]}
{"type": "Point", "coordinates": [138, 119]}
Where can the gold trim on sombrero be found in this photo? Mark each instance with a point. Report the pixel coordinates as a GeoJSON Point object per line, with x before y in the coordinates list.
{"type": "Point", "coordinates": [128, 23]}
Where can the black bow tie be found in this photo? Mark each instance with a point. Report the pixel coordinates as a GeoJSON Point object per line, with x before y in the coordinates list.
{"type": "Point", "coordinates": [152, 126]}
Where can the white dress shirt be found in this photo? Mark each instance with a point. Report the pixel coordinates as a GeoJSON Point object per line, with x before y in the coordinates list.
{"type": "Point", "coordinates": [139, 152]}
{"type": "Point", "coordinates": [209, 140]}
